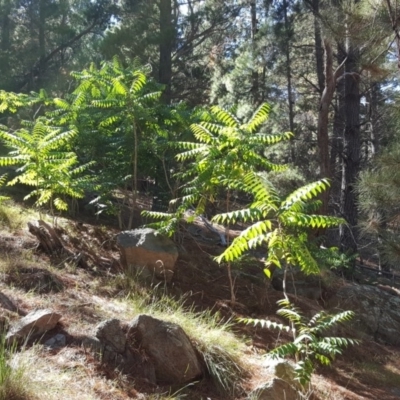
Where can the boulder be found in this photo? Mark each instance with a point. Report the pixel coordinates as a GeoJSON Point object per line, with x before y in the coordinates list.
{"type": "Point", "coordinates": [146, 248]}
{"type": "Point", "coordinates": [110, 333]}
{"type": "Point", "coordinates": [7, 303]}
{"type": "Point", "coordinates": [93, 345]}
{"type": "Point", "coordinates": [111, 348]}
{"type": "Point", "coordinates": [377, 311]}
{"type": "Point", "coordinates": [168, 347]}
{"type": "Point", "coordinates": [282, 369]}
{"type": "Point", "coordinates": [276, 389]}
{"type": "Point", "coordinates": [35, 323]}
{"type": "Point", "coordinates": [282, 385]}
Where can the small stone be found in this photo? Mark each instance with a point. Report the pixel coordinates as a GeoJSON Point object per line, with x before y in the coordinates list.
{"type": "Point", "coordinates": [56, 341]}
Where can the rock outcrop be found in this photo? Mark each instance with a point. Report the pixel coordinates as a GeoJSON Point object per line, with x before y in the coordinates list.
{"type": "Point", "coordinates": [146, 248]}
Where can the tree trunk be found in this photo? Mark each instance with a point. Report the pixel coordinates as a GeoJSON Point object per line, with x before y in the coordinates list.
{"type": "Point", "coordinates": [42, 28]}
{"type": "Point", "coordinates": [323, 123]}
{"type": "Point", "coordinates": [5, 25]}
{"type": "Point", "coordinates": [166, 47]}
{"type": "Point", "coordinates": [5, 42]}
{"type": "Point", "coordinates": [323, 140]}
{"type": "Point", "coordinates": [254, 73]}
{"type": "Point", "coordinates": [288, 68]}
{"type": "Point", "coordinates": [338, 129]}
{"type": "Point", "coordinates": [319, 49]}
{"type": "Point", "coordinates": [351, 151]}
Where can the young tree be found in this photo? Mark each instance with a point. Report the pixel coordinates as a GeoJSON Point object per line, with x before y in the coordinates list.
{"type": "Point", "coordinates": [112, 107]}
{"type": "Point", "coordinates": [225, 151]}
{"type": "Point", "coordinates": [310, 344]}
{"type": "Point", "coordinates": [45, 163]}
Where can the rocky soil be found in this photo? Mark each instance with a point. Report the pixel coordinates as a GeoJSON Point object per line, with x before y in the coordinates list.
{"type": "Point", "coordinates": [76, 291]}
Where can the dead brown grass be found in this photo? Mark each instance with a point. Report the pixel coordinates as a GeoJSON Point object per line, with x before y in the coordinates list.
{"type": "Point", "coordinates": [87, 296]}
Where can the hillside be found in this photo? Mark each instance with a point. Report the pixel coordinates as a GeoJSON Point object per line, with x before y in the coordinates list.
{"type": "Point", "coordinates": [196, 299]}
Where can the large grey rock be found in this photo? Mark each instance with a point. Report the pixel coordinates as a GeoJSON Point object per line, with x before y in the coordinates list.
{"type": "Point", "coordinates": [147, 248]}
{"type": "Point", "coordinates": [282, 385]}
{"type": "Point", "coordinates": [170, 350]}
{"type": "Point", "coordinates": [276, 389]}
{"type": "Point", "coordinates": [112, 348]}
{"type": "Point", "coordinates": [282, 369]}
{"type": "Point", "coordinates": [110, 333]}
{"type": "Point", "coordinates": [35, 323]}
{"type": "Point", "coordinates": [377, 311]}
{"type": "Point", "coordinates": [94, 345]}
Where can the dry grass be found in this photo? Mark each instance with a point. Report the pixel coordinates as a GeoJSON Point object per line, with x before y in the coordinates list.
{"type": "Point", "coordinates": [15, 383]}
{"type": "Point", "coordinates": [86, 297]}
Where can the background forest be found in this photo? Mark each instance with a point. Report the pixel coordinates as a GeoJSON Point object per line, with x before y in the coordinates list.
{"type": "Point", "coordinates": [99, 97]}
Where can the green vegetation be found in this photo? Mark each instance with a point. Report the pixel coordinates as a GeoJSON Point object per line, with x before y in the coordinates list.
{"type": "Point", "coordinates": [174, 110]}
{"type": "Point", "coordinates": [52, 172]}
{"type": "Point", "coordinates": [281, 225]}
{"type": "Point", "coordinates": [14, 378]}
{"type": "Point", "coordinates": [309, 345]}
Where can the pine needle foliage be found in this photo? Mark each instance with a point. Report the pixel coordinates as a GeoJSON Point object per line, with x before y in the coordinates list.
{"type": "Point", "coordinates": [310, 344]}
{"type": "Point", "coordinates": [278, 225]}
{"type": "Point", "coordinates": [45, 163]}
{"type": "Point", "coordinates": [378, 193]}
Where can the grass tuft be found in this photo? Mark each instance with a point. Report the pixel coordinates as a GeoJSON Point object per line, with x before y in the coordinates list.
{"type": "Point", "coordinates": [221, 350]}
{"type": "Point", "coordinates": [14, 382]}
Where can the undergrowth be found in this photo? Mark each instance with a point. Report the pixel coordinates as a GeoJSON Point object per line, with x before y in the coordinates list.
{"type": "Point", "coordinates": [221, 351]}
{"type": "Point", "coordinates": [14, 381]}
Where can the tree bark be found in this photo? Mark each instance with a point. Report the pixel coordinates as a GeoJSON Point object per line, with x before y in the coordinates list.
{"type": "Point", "coordinates": [351, 151]}
{"type": "Point", "coordinates": [5, 43]}
{"type": "Point", "coordinates": [42, 40]}
{"type": "Point", "coordinates": [254, 73]}
{"type": "Point", "coordinates": [319, 49]}
{"type": "Point", "coordinates": [338, 128]}
{"type": "Point", "coordinates": [323, 140]}
{"type": "Point", "coordinates": [288, 68]}
{"type": "Point", "coordinates": [166, 48]}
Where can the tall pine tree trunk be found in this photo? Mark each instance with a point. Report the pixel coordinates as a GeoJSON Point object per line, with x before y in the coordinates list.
{"type": "Point", "coordinates": [338, 128]}
{"type": "Point", "coordinates": [351, 150]}
{"type": "Point", "coordinates": [254, 73]}
{"type": "Point", "coordinates": [5, 43]}
{"type": "Point", "coordinates": [319, 49]}
{"type": "Point", "coordinates": [166, 47]}
{"type": "Point", "coordinates": [42, 39]}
